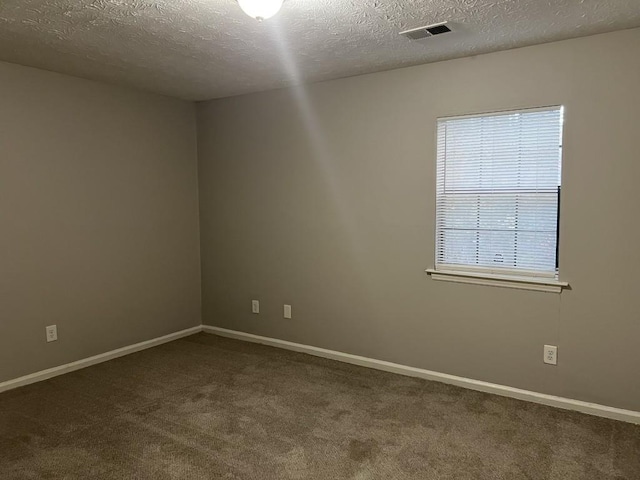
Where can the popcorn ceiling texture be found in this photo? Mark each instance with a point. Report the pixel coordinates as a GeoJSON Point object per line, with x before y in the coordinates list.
{"type": "Point", "coordinates": [203, 49]}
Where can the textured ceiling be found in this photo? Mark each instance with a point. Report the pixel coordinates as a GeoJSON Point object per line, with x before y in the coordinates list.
{"type": "Point", "coordinates": [202, 49]}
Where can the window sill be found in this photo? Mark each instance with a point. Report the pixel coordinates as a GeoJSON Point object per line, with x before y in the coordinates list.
{"type": "Point", "coordinates": [522, 283]}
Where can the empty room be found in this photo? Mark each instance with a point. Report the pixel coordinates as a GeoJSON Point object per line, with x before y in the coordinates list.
{"type": "Point", "coordinates": [319, 239]}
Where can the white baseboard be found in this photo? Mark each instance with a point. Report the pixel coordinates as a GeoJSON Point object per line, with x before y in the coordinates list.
{"type": "Point", "coordinates": [87, 362]}
{"type": "Point", "coordinates": [505, 391]}
{"type": "Point", "coordinates": [535, 397]}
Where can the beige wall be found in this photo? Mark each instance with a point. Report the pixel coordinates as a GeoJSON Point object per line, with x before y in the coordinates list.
{"type": "Point", "coordinates": [98, 218]}
{"type": "Point", "coordinates": [323, 198]}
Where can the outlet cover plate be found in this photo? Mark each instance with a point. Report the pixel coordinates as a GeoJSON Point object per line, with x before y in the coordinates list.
{"type": "Point", "coordinates": [52, 333]}
{"type": "Point", "coordinates": [550, 355]}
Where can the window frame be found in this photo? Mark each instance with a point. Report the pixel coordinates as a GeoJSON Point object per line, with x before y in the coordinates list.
{"type": "Point", "coordinates": [502, 277]}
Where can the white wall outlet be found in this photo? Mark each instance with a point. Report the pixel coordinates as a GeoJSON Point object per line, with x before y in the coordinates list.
{"type": "Point", "coordinates": [52, 333]}
{"type": "Point", "coordinates": [255, 306]}
{"type": "Point", "coordinates": [551, 354]}
{"type": "Point", "coordinates": [287, 311]}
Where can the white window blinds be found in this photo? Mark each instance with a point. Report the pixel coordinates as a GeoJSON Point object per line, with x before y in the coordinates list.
{"type": "Point", "coordinates": [498, 192]}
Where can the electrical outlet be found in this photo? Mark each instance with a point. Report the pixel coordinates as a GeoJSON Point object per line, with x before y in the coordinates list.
{"type": "Point", "coordinates": [550, 354]}
{"type": "Point", "coordinates": [52, 333]}
{"type": "Point", "coordinates": [255, 306]}
{"type": "Point", "coordinates": [287, 311]}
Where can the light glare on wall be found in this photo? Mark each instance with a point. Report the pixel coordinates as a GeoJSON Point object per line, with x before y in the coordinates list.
{"type": "Point", "coordinates": [260, 9]}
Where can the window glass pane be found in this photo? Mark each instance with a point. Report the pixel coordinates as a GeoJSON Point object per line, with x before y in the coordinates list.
{"type": "Point", "coordinates": [497, 190]}
{"type": "Point", "coordinates": [536, 250]}
{"type": "Point", "coordinates": [459, 246]}
{"type": "Point", "coordinates": [496, 249]}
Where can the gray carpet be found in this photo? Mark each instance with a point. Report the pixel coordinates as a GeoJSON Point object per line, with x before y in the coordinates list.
{"type": "Point", "coordinates": [206, 407]}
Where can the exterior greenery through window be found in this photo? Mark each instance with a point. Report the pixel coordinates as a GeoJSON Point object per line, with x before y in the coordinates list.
{"type": "Point", "coordinates": [498, 192]}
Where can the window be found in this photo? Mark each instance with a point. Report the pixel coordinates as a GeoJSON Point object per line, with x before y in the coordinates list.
{"type": "Point", "coordinates": [498, 195]}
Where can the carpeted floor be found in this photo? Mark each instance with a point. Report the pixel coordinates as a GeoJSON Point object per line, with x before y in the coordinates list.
{"type": "Point", "coordinates": [206, 407]}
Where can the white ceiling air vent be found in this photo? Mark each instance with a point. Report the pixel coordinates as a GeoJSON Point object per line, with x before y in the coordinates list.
{"type": "Point", "coordinates": [427, 31]}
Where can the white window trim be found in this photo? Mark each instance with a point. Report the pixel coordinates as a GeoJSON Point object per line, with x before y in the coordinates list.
{"type": "Point", "coordinates": [496, 113]}
{"type": "Point", "coordinates": [518, 279]}
{"type": "Point", "coordinates": [521, 282]}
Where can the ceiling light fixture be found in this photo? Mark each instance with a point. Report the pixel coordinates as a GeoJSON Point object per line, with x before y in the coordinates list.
{"type": "Point", "coordinates": [260, 9]}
